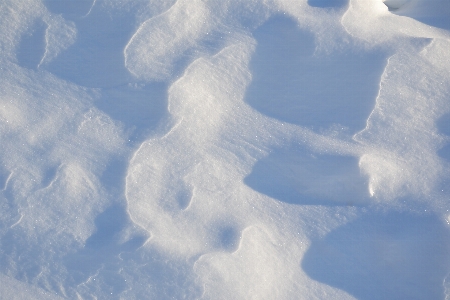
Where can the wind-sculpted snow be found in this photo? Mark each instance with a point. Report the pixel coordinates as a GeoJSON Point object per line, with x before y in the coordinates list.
{"type": "Point", "coordinates": [243, 149]}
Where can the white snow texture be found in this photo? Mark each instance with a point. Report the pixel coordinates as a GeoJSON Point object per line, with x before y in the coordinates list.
{"type": "Point", "coordinates": [225, 149]}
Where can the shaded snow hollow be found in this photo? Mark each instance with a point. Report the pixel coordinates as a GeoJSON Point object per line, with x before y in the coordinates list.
{"type": "Point", "coordinates": [241, 149]}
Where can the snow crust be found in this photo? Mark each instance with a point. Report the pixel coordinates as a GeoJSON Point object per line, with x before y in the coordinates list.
{"type": "Point", "coordinates": [239, 149]}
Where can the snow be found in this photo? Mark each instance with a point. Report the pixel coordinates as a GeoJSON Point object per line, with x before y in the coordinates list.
{"type": "Point", "coordinates": [244, 149]}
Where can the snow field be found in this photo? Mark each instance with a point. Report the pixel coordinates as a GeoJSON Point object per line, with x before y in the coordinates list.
{"type": "Point", "coordinates": [235, 149]}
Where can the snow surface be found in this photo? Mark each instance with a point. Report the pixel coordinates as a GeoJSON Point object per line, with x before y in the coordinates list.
{"type": "Point", "coordinates": [233, 149]}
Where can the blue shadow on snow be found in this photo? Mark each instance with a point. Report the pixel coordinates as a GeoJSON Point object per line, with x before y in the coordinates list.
{"type": "Point", "coordinates": [96, 60]}
{"type": "Point", "coordinates": [32, 45]}
{"type": "Point", "coordinates": [102, 249]}
{"type": "Point", "coordinates": [384, 256]}
{"type": "Point", "coordinates": [443, 125]}
{"type": "Point", "coordinates": [434, 13]}
{"type": "Point", "coordinates": [69, 8]}
{"type": "Point", "coordinates": [297, 176]}
{"type": "Point", "coordinates": [293, 84]}
{"type": "Point", "coordinates": [328, 3]}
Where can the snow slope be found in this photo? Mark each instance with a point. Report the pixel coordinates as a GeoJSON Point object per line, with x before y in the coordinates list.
{"type": "Point", "coordinates": [239, 149]}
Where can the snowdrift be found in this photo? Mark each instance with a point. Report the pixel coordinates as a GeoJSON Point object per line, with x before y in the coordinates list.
{"type": "Point", "coordinates": [239, 149]}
